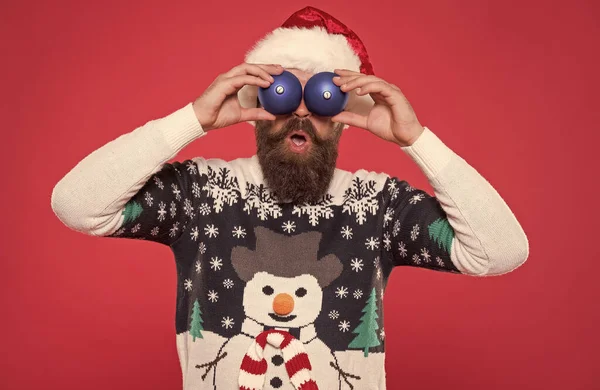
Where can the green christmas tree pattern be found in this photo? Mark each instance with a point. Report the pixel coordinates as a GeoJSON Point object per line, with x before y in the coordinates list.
{"type": "Point", "coordinates": [132, 210]}
{"type": "Point", "coordinates": [196, 322]}
{"type": "Point", "coordinates": [442, 233]}
{"type": "Point", "coordinates": [367, 330]}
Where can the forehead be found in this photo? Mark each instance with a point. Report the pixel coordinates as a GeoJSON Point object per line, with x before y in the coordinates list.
{"type": "Point", "coordinates": [303, 76]}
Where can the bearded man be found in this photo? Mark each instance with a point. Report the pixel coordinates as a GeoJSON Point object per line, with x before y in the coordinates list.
{"type": "Point", "coordinates": [313, 246]}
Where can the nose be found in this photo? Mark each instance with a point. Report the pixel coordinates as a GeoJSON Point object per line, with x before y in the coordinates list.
{"type": "Point", "coordinates": [283, 304]}
{"type": "Point", "coordinates": [302, 111]}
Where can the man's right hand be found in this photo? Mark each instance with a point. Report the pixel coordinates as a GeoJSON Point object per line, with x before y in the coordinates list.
{"type": "Point", "coordinates": [219, 106]}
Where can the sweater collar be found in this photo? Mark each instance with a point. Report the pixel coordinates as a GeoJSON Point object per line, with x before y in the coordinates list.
{"type": "Point", "coordinates": [255, 175]}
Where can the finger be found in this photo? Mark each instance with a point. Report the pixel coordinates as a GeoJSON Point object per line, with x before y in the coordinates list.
{"type": "Point", "coordinates": [261, 70]}
{"type": "Point", "coordinates": [345, 72]}
{"type": "Point", "coordinates": [351, 118]}
{"type": "Point", "coordinates": [380, 87]}
{"type": "Point", "coordinates": [255, 114]}
{"type": "Point", "coordinates": [359, 82]}
{"type": "Point", "coordinates": [236, 83]}
{"type": "Point", "coordinates": [271, 68]}
{"type": "Point", "coordinates": [268, 69]}
{"type": "Point", "coordinates": [341, 80]}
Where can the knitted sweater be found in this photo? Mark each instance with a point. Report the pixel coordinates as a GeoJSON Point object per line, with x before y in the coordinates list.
{"type": "Point", "coordinates": [248, 265]}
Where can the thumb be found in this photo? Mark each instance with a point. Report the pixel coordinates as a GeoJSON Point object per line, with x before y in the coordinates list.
{"type": "Point", "coordinates": [254, 114]}
{"type": "Point", "coordinates": [351, 118]}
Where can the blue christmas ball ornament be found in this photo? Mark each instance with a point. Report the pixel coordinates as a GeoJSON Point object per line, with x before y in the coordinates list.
{"type": "Point", "coordinates": [283, 96]}
{"type": "Point", "coordinates": [322, 97]}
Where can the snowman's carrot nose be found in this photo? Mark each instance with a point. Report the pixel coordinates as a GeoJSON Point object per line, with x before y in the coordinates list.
{"type": "Point", "coordinates": [283, 304]}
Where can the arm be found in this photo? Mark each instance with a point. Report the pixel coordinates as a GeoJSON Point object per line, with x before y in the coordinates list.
{"type": "Point", "coordinates": [127, 189]}
{"type": "Point", "coordinates": [93, 197]}
{"type": "Point", "coordinates": [467, 227]}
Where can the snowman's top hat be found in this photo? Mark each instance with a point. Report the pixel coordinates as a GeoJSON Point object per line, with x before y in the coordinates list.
{"type": "Point", "coordinates": [286, 256]}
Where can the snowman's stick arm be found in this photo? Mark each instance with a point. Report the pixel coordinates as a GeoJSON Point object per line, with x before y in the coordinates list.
{"type": "Point", "coordinates": [344, 374]}
{"type": "Point", "coordinates": [211, 364]}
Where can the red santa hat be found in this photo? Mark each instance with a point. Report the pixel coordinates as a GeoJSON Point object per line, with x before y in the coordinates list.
{"type": "Point", "coordinates": [313, 41]}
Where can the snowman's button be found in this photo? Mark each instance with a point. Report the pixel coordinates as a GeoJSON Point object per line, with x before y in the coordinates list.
{"type": "Point", "coordinates": [276, 382]}
{"type": "Point", "coordinates": [277, 360]}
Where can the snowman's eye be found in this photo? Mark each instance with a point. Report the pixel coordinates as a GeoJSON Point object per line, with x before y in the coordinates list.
{"type": "Point", "coordinates": [268, 290]}
{"type": "Point", "coordinates": [301, 292]}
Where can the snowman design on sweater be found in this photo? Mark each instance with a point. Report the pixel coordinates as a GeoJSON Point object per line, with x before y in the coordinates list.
{"type": "Point", "coordinates": [284, 290]}
{"type": "Point", "coordinates": [275, 295]}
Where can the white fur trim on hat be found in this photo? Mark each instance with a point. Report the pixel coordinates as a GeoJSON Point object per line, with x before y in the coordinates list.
{"type": "Point", "coordinates": [312, 50]}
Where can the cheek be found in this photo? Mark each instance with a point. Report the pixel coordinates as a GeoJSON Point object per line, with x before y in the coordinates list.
{"type": "Point", "coordinates": [276, 125]}
{"type": "Point", "coordinates": [326, 131]}
{"type": "Point", "coordinates": [280, 121]}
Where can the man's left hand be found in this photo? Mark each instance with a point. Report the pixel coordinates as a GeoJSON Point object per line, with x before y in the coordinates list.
{"type": "Point", "coordinates": [391, 118]}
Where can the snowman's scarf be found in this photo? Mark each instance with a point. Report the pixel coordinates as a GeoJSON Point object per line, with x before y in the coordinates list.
{"type": "Point", "coordinates": [254, 365]}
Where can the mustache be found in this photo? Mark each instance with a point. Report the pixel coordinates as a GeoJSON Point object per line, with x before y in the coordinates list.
{"type": "Point", "coordinates": [294, 124]}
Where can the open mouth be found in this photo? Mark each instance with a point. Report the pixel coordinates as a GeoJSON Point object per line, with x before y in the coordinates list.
{"type": "Point", "coordinates": [298, 141]}
{"type": "Point", "coordinates": [280, 318]}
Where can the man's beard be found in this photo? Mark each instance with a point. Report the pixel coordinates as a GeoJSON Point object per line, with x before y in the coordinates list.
{"type": "Point", "coordinates": [303, 177]}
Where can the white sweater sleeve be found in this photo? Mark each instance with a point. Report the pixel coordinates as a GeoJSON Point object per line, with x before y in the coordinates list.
{"type": "Point", "coordinates": [91, 197]}
{"type": "Point", "coordinates": [488, 239]}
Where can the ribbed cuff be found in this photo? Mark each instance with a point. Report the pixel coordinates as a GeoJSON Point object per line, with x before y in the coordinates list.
{"type": "Point", "coordinates": [430, 153]}
{"type": "Point", "coordinates": [180, 127]}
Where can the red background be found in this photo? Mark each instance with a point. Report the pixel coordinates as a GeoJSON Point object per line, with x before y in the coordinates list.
{"type": "Point", "coordinates": [511, 86]}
